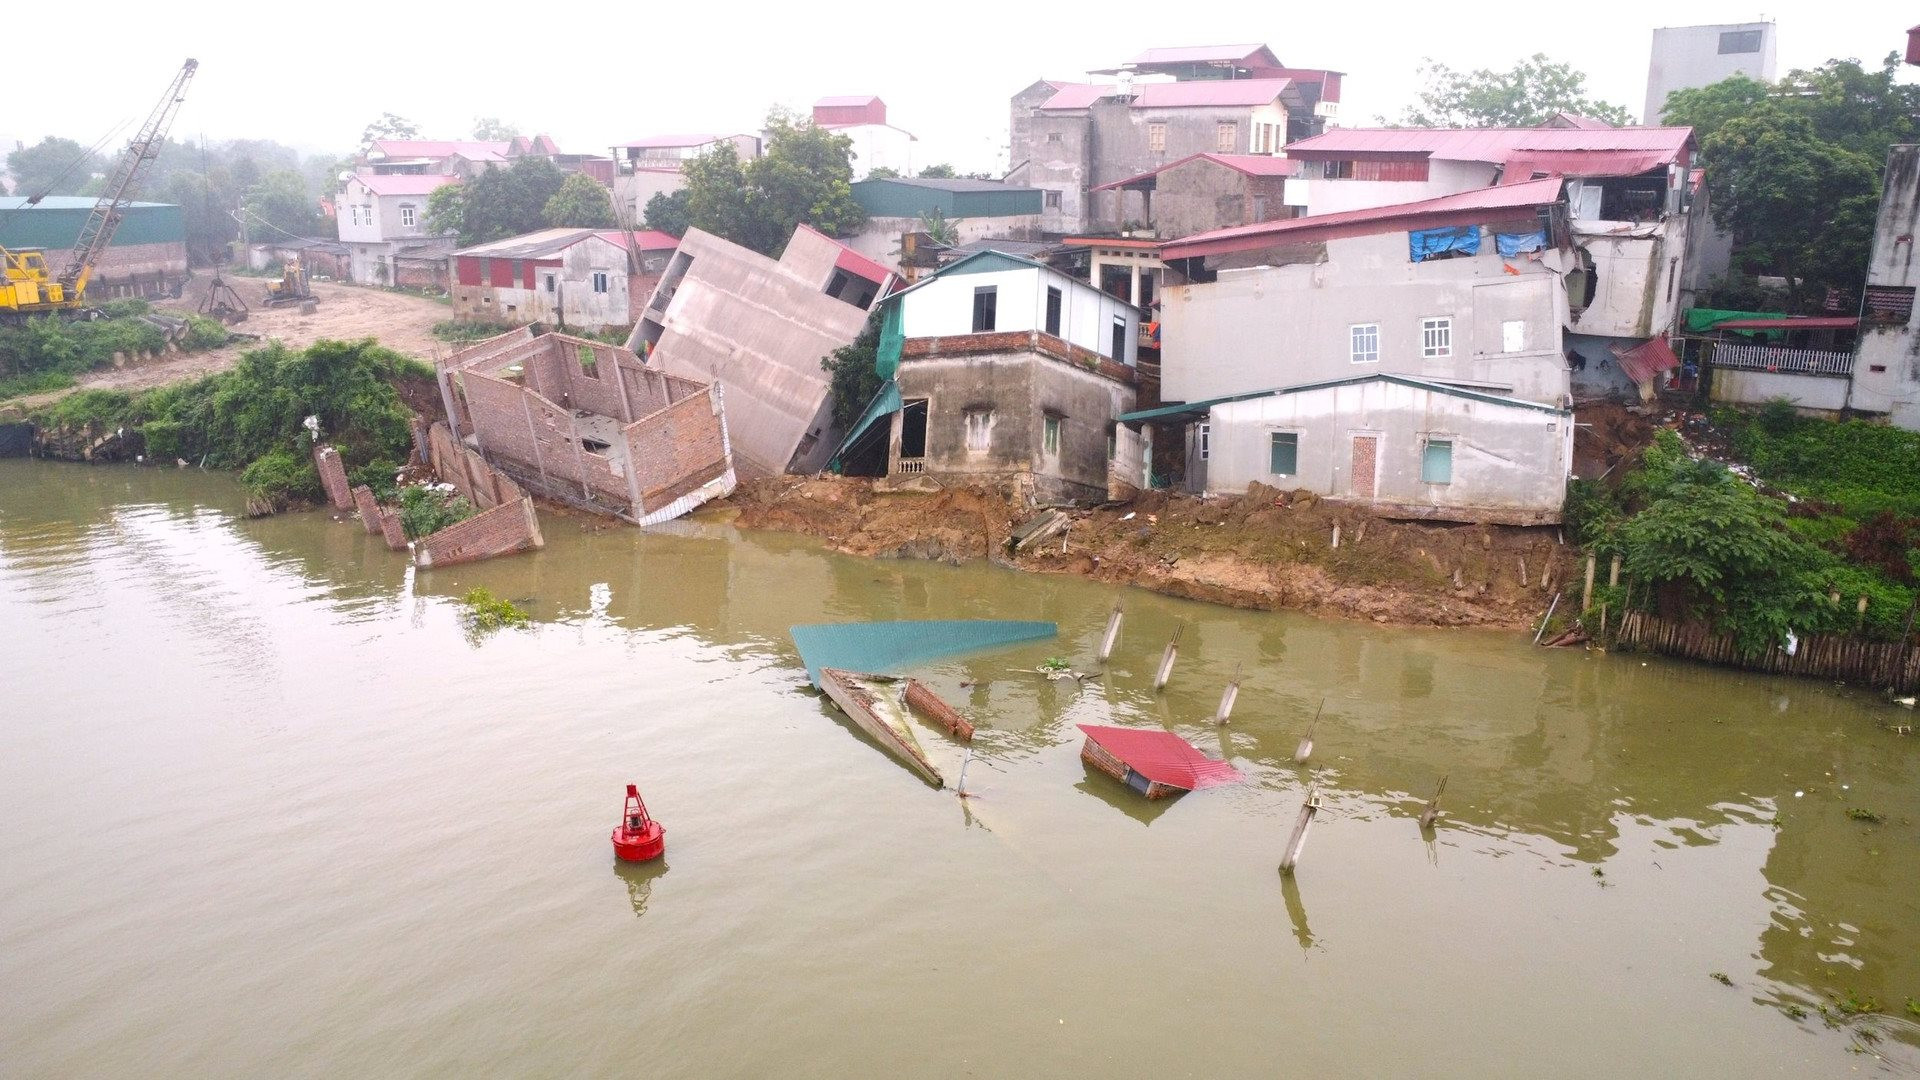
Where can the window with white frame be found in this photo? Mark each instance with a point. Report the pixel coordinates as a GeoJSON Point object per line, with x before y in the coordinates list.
{"type": "Point", "coordinates": [1364, 340]}
{"type": "Point", "coordinates": [406, 216]}
{"type": "Point", "coordinates": [599, 281]}
{"type": "Point", "coordinates": [1513, 335]}
{"type": "Point", "coordinates": [979, 430]}
{"type": "Point", "coordinates": [1436, 462]}
{"type": "Point", "coordinates": [1050, 434]}
{"type": "Point", "coordinates": [1283, 453]}
{"type": "Point", "coordinates": [1205, 443]}
{"type": "Point", "coordinates": [1436, 337]}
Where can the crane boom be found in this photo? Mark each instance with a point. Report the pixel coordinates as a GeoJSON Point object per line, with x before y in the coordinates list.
{"type": "Point", "coordinates": [98, 231]}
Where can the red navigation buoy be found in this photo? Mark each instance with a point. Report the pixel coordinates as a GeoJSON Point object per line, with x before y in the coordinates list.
{"type": "Point", "coordinates": [638, 838]}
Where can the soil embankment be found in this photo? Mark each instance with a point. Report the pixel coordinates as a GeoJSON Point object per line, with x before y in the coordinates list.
{"type": "Point", "coordinates": [1266, 549]}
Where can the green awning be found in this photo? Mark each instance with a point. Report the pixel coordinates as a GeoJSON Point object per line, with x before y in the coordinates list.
{"type": "Point", "coordinates": [893, 338]}
{"type": "Point", "coordinates": [1700, 320]}
{"type": "Point", "coordinates": [884, 403]}
{"type": "Point", "coordinates": [1185, 410]}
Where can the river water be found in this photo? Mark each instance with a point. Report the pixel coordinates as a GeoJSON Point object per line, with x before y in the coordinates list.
{"type": "Point", "coordinates": [269, 811]}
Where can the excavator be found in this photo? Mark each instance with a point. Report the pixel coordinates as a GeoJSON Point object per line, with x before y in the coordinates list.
{"type": "Point", "coordinates": [28, 285]}
{"type": "Point", "coordinates": [292, 288]}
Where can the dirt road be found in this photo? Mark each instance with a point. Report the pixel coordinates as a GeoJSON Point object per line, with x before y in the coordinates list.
{"type": "Point", "coordinates": [399, 321]}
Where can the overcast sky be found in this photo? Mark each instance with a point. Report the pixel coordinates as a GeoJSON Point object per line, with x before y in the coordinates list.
{"type": "Point", "coordinates": [313, 75]}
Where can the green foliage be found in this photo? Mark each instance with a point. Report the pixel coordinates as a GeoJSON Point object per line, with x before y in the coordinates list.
{"type": "Point", "coordinates": [939, 229]}
{"type": "Point", "coordinates": [882, 172]}
{"type": "Point", "coordinates": [465, 331]}
{"type": "Point", "coordinates": [378, 475]}
{"type": "Point", "coordinates": [669, 213]}
{"type": "Point", "coordinates": [498, 203]}
{"type": "Point", "coordinates": [425, 510]}
{"type": "Point", "coordinates": [1860, 467]}
{"type": "Point", "coordinates": [125, 307]}
{"type": "Point", "coordinates": [280, 476]}
{"type": "Point", "coordinates": [204, 333]}
{"type": "Point", "coordinates": [1526, 96]}
{"type": "Point", "coordinates": [48, 353]}
{"type": "Point", "coordinates": [53, 166]}
{"type": "Point", "coordinates": [853, 379]}
{"type": "Point", "coordinates": [486, 612]}
{"type": "Point", "coordinates": [1793, 167]}
{"type": "Point", "coordinates": [804, 177]}
{"type": "Point", "coordinates": [941, 171]}
{"type": "Point", "coordinates": [581, 203]}
{"type": "Point", "coordinates": [388, 126]}
{"type": "Point", "coordinates": [281, 200]}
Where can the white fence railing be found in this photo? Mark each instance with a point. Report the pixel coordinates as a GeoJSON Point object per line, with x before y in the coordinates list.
{"type": "Point", "coordinates": [1782, 360]}
{"type": "Point", "coordinates": [910, 465]}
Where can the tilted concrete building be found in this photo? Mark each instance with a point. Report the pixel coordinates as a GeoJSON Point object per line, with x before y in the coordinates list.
{"type": "Point", "coordinates": [759, 327]}
{"type": "Point", "coordinates": [1886, 371]}
{"type": "Point", "coordinates": [587, 424]}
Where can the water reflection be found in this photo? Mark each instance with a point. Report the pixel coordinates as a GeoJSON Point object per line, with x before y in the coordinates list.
{"type": "Point", "coordinates": [639, 879]}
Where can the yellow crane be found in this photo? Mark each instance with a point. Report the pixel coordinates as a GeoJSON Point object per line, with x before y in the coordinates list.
{"type": "Point", "coordinates": [27, 284]}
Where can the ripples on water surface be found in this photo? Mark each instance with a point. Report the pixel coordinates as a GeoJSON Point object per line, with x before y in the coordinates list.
{"type": "Point", "coordinates": [270, 813]}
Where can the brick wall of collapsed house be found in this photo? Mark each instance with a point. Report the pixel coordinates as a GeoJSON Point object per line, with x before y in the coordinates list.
{"type": "Point", "coordinates": [503, 530]}
{"type": "Point", "coordinates": [369, 509]}
{"type": "Point", "coordinates": [677, 449]}
{"type": "Point", "coordinates": [333, 477]}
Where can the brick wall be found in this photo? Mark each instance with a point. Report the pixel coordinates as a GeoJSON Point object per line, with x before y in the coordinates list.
{"type": "Point", "coordinates": [369, 509]}
{"type": "Point", "coordinates": [390, 530]}
{"type": "Point", "coordinates": [333, 477]}
{"type": "Point", "coordinates": [677, 449]}
{"type": "Point", "coordinates": [503, 530]}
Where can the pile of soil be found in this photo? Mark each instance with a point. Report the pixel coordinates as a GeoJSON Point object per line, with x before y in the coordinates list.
{"type": "Point", "coordinates": [1266, 549]}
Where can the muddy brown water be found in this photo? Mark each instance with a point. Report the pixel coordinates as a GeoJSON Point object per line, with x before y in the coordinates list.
{"type": "Point", "coordinates": [270, 812]}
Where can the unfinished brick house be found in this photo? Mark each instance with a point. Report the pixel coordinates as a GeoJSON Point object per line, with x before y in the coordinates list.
{"type": "Point", "coordinates": [589, 425]}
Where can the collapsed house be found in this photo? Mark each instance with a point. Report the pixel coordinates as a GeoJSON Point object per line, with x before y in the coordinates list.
{"type": "Point", "coordinates": [760, 327]}
{"type": "Point", "coordinates": [587, 424]}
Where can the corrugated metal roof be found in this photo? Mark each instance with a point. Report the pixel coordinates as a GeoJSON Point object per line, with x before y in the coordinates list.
{"type": "Point", "coordinates": [1815, 322]}
{"type": "Point", "coordinates": [847, 101]}
{"type": "Point", "coordinates": [1645, 361]}
{"type": "Point", "coordinates": [947, 184]}
{"type": "Point", "coordinates": [1245, 164]}
{"type": "Point", "coordinates": [59, 202]}
{"type": "Point", "coordinates": [1523, 165]}
{"type": "Point", "coordinates": [1212, 93]}
{"type": "Point", "coordinates": [407, 148]}
{"type": "Point", "coordinates": [1162, 756]}
{"type": "Point", "coordinates": [1525, 196]}
{"type": "Point", "coordinates": [671, 141]}
{"type": "Point", "coordinates": [546, 242]}
{"type": "Point", "coordinates": [1204, 54]}
{"type": "Point", "coordinates": [1576, 121]}
{"type": "Point", "coordinates": [1485, 144]}
{"type": "Point", "coordinates": [404, 184]}
{"type": "Point", "coordinates": [649, 239]}
{"type": "Point", "coordinates": [1195, 409]}
{"type": "Point", "coordinates": [1077, 95]}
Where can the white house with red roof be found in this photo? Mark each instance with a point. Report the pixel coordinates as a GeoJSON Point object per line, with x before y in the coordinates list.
{"type": "Point", "coordinates": [569, 279]}
{"type": "Point", "coordinates": [382, 219]}
{"type": "Point", "coordinates": [876, 143]}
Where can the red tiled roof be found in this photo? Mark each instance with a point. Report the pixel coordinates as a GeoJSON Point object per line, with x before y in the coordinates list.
{"type": "Point", "coordinates": [1486, 144]}
{"type": "Point", "coordinates": [1162, 756]}
{"type": "Point", "coordinates": [1245, 164]}
{"type": "Point", "coordinates": [1212, 92]}
{"type": "Point", "coordinates": [401, 184]}
{"type": "Point", "coordinates": [1077, 95]}
{"type": "Point", "coordinates": [1480, 204]}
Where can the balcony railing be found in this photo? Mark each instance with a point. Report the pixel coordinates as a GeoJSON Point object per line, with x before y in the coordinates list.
{"type": "Point", "coordinates": [911, 465]}
{"type": "Point", "coordinates": [1782, 360]}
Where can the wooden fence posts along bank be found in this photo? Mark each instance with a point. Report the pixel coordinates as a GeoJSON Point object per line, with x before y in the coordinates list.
{"type": "Point", "coordinates": [1891, 665]}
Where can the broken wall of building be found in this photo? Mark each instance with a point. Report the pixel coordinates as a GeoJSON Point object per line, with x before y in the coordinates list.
{"type": "Point", "coordinates": [1123, 146]}
{"type": "Point", "coordinates": [1886, 372]}
{"type": "Point", "coordinates": [333, 477]}
{"type": "Point", "coordinates": [504, 530]}
{"type": "Point", "coordinates": [679, 449]}
{"type": "Point", "coordinates": [1053, 151]}
{"type": "Point", "coordinates": [1203, 195]}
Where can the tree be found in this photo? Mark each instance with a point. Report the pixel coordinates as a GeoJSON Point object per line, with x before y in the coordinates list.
{"type": "Point", "coordinates": [882, 172]}
{"type": "Point", "coordinates": [853, 380]}
{"type": "Point", "coordinates": [941, 171]}
{"type": "Point", "coordinates": [499, 203]}
{"type": "Point", "coordinates": [494, 129]}
{"type": "Point", "coordinates": [805, 177]}
{"type": "Point", "coordinates": [1793, 168]}
{"type": "Point", "coordinates": [53, 166]}
{"type": "Point", "coordinates": [389, 126]}
{"type": "Point", "coordinates": [1527, 96]}
{"type": "Point", "coordinates": [281, 200]}
{"type": "Point", "coordinates": [581, 203]}
{"type": "Point", "coordinates": [668, 213]}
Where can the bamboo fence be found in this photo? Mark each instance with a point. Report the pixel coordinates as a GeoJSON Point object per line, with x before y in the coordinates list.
{"type": "Point", "coordinates": [1879, 664]}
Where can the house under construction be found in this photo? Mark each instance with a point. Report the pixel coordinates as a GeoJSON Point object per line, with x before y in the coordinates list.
{"type": "Point", "coordinates": [587, 424]}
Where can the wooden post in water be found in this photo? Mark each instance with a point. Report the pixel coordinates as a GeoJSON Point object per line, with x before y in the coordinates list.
{"type": "Point", "coordinates": [1432, 811]}
{"type": "Point", "coordinates": [1586, 591]}
{"type": "Point", "coordinates": [1523, 571]}
{"type": "Point", "coordinates": [965, 761]}
{"type": "Point", "coordinates": [1227, 698]}
{"type": "Point", "coordinates": [1544, 619]}
{"type": "Point", "coordinates": [1113, 633]}
{"type": "Point", "coordinates": [1167, 658]}
{"type": "Point", "coordinates": [1298, 840]}
{"type": "Point", "coordinates": [1305, 750]}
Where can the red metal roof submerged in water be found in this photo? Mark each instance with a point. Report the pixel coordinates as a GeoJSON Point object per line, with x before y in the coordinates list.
{"type": "Point", "coordinates": [1162, 756]}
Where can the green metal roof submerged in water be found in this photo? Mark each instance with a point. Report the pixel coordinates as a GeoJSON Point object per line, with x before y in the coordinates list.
{"type": "Point", "coordinates": [881, 647]}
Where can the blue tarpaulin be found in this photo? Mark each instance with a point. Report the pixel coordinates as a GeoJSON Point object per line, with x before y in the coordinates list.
{"type": "Point", "coordinates": [1426, 243]}
{"type": "Point", "coordinates": [884, 647]}
{"type": "Point", "coordinates": [1511, 244]}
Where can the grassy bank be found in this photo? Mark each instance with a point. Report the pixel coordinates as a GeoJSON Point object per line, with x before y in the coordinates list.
{"type": "Point", "coordinates": [50, 353]}
{"type": "Point", "coordinates": [252, 418]}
